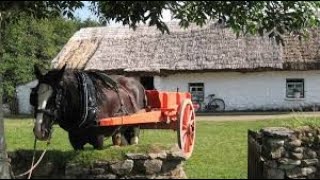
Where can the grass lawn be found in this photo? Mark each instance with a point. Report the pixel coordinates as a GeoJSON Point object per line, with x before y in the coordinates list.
{"type": "Point", "coordinates": [220, 151]}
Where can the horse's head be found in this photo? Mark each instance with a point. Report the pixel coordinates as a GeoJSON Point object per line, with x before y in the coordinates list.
{"type": "Point", "coordinates": [45, 99]}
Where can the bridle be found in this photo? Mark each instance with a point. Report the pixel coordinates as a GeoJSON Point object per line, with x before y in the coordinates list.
{"type": "Point", "coordinates": [55, 113]}
{"type": "Point", "coordinates": [33, 101]}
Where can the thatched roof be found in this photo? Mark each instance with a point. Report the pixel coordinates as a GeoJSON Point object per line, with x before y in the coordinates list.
{"type": "Point", "coordinates": [210, 48]}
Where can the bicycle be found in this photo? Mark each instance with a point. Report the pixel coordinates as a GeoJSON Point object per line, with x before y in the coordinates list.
{"type": "Point", "coordinates": [215, 104]}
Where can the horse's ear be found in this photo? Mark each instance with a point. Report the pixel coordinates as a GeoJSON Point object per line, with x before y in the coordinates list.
{"type": "Point", "coordinates": [61, 71]}
{"type": "Point", "coordinates": [37, 72]}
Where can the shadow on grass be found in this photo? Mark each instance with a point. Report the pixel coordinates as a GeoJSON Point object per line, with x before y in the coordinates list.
{"type": "Point", "coordinates": [21, 117]}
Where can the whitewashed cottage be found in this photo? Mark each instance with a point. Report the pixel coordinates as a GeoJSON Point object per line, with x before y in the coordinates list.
{"type": "Point", "coordinates": [23, 97]}
{"type": "Point", "coordinates": [248, 73]}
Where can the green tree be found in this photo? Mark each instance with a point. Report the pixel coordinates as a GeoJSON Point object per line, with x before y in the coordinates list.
{"type": "Point", "coordinates": [273, 18]}
{"type": "Point", "coordinates": [10, 12]}
{"type": "Point", "coordinates": [89, 23]}
{"type": "Point", "coordinates": [31, 41]}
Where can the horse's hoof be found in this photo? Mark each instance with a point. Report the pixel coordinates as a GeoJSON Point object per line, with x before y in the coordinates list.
{"type": "Point", "coordinates": [77, 141]}
{"type": "Point", "coordinates": [97, 142]}
{"type": "Point", "coordinates": [134, 140]}
{"type": "Point", "coordinates": [98, 148]}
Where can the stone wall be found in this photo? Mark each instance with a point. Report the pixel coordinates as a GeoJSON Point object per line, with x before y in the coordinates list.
{"type": "Point", "coordinates": [166, 164]}
{"type": "Point", "coordinates": [284, 153]}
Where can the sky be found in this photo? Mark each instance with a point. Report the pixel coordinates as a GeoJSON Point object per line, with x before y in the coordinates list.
{"type": "Point", "coordinates": [85, 13]}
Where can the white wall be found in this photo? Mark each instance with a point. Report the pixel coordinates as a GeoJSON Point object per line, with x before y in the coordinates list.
{"type": "Point", "coordinates": [23, 95]}
{"type": "Point", "coordinates": [245, 91]}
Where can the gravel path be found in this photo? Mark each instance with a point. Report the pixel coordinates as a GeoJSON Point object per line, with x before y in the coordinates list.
{"type": "Point", "coordinates": [253, 116]}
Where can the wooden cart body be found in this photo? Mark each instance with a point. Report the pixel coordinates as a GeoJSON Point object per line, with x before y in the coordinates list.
{"type": "Point", "coordinates": [166, 110]}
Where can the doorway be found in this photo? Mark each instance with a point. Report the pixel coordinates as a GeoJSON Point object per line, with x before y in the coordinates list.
{"type": "Point", "coordinates": [147, 82]}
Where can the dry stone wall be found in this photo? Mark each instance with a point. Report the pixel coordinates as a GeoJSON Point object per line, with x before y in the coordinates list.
{"type": "Point", "coordinates": [167, 164]}
{"type": "Point", "coordinates": [284, 153]}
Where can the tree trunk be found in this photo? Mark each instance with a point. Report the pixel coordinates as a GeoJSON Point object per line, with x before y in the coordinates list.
{"type": "Point", "coordinates": [5, 170]}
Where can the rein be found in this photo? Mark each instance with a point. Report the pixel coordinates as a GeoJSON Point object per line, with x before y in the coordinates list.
{"type": "Point", "coordinates": [46, 112]}
{"type": "Point", "coordinates": [33, 166]}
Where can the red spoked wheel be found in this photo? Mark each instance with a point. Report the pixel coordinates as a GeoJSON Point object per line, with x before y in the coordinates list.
{"type": "Point", "coordinates": [186, 127]}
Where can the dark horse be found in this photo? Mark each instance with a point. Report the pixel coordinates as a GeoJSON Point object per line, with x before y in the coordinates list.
{"type": "Point", "coordinates": [58, 99]}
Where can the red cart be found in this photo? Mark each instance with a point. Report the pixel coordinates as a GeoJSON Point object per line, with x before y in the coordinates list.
{"type": "Point", "coordinates": [166, 110]}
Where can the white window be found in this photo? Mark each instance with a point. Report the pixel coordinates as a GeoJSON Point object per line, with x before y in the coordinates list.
{"type": "Point", "coordinates": [295, 88]}
{"type": "Point", "coordinates": [197, 91]}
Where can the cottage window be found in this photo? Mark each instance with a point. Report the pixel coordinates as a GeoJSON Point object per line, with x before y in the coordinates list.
{"type": "Point", "coordinates": [295, 88]}
{"type": "Point", "coordinates": [197, 91]}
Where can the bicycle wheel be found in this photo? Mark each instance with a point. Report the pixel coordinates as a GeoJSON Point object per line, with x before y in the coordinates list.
{"type": "Point", "coordinates": [218, 105]}
{"type": "Point", "coordinates": [199, 108]}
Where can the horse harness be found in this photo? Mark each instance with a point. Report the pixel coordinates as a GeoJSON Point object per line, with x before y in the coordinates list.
{"type": "Point", "coordinates": [88, 108]}
{"type": "Point", "coordinates": [88, 98]}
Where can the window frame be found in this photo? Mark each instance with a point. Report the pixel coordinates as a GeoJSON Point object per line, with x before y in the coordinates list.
{"type": "Point", "coordinates": [197, 85]}
{"type": "Point", "coordinates": [295, 82]}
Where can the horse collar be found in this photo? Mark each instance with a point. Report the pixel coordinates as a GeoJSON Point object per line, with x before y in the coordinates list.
{"type": "Point", "coordinates": [88, 100]}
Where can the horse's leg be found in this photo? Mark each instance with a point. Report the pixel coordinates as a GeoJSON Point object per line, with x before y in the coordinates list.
{"type": "Point", "coordinates": [116, 139]}
{"type": "Point", "coordinates": [119, 139]}
{"type": "Point", "coordinates": [124, 141]}
{"type": "Point", "coordinates": [77, 141]}
{"type": "Point", "coordinates": [127, 134]}
{"type": "Point", "coordinates": [96, 141]}
{"type": "Point", "coordinates": [135, 136]}
{"type": "Point", "coordinates": [132, 134]}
